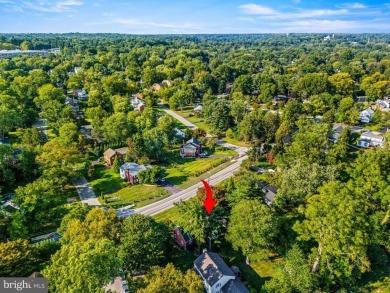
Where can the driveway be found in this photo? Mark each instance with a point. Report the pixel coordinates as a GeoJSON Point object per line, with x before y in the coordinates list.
{"type": "Point", "coordinates": [85, 192]}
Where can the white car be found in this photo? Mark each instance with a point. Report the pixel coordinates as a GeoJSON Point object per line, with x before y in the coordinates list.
{"type": "Point", "coordinates": [125, 287]}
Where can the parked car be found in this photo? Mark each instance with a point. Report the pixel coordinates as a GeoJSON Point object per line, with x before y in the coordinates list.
{"type": "Point", "coordinates": [203, 155]}
{"type": "Point", "coordinates": [125, 287]}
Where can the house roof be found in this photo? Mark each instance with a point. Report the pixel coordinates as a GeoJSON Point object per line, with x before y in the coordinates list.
{"type": "Point", "coordinates": [270, 193]}
{"type": "Point", "coordinates": [109, 153]}
{"type": "Point", "coordinates": [370, 135]}
{"type": "Point", "coordinates": [122, 151]}
{"type": "Point", "coordinates": [194, 141]}
{"type": "Point", "coordinates": [198, 108]}
{"type": "Point", "coordinates": [234, 286]}
{"type": "Point", "coordinates": [369, 111]}
{"type": "Point", "coordinates": [212, 267]}
{"type": "Point", "coordinates": [133, 168]}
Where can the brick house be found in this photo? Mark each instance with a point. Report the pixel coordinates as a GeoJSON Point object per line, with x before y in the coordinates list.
{"type": "Point", "coordinates": [192, 148]}
{"type": "Point", "coordinates": [110, 154]}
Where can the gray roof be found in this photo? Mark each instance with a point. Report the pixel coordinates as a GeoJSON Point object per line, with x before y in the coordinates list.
{"type": "Point", "coordinates": [212, 267]}
{"type": "Point", "coordinates": [370, 135]}
{"type": "Point", "coordinates": [133, 168]}
{"type": "Point", "coordinates": [234, 286]}
{"type": "Point", "coordinates": [194, 141]}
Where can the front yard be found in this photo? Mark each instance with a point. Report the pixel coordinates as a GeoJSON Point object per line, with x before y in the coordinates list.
{"type": "Point", "coordinates": [114, 192]}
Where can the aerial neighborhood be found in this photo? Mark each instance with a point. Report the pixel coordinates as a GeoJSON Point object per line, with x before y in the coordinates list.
{"type": "Point", "coordinates": [112, 145]}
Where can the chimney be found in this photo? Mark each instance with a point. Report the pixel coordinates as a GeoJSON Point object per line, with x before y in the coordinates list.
{"type": "Point", "coordinates": [204, 250]}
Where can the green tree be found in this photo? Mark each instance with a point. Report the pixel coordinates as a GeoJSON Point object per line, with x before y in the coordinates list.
{"type": "Point", "coordinates": [9, 117]}
{"type": "Point", "coordinates": [171, 280]}
{"type": "Point", "coordinates": [343, 84]}
{"type": "Point", "coordinates": [95, 225]}
{"type": "Point", "coordinates": [69, 133]}
{"type": "Point", "coordinates": [300, 181]}
{"type": "Point", "coordinates": [204, 227]}
{"type": "Point", "coordinates": [337, 221]}
{"type": "Point", "coordinates": [116, 165]}
{"type": "Point", "coordinates": [293, 275]}
{"type": "Point", "coordinates": [252, 226]}
{"type": "Point", "coordinates": [17, 258]}
{"type": "Point", "coordinates": [143, 243]}
{"type": "Point", "coordinates": [83, 267]}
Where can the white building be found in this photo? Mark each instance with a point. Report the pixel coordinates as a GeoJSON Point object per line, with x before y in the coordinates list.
{"type": "Point", "coordinates": [216, 275]}
{"type": "Point", "coordinates": [369, 139]}
{"type": "Point", "coordinates": [4, 54]}
{"type": "Point", "coordinates": [179, 133]}
{"type": "Point", "coordinates": [366, 115]}
{"type": "Point", "coordinates": [129, 171]}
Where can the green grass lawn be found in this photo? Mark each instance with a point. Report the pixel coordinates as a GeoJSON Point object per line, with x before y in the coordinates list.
{"type": "Point", "coordinates": [179, 170]}
{"type": "Point", "coordinates": [118, 193]}
{"type": "Point", "coordinates": [170, 215]}
{"type": "Point", "coordinates": [139, 194]}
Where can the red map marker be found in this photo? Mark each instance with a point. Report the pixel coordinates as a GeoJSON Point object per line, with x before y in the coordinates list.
{"type": "Point", "coordinates": [209, 203]}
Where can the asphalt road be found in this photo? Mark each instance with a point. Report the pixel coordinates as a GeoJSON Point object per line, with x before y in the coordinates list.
{"type": "Point", "coordinates": [185, 194]}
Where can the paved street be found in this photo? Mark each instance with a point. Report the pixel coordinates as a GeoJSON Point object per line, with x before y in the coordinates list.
{"type": "Point", "coordinates": [85, 192]}
{"type": "Point", "coordinates": [41, 125]}
{"type": "Point", "coordinates": [185, 194]}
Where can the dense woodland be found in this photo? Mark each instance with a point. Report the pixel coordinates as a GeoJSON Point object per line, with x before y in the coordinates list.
{"type": "Point", "coordinates": [330, 222]}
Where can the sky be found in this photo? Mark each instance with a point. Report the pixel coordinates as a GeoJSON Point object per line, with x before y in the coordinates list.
{"type": "Point", "coordinates": [193, 17]}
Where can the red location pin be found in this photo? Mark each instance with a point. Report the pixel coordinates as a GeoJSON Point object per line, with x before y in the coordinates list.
{"type": "Point", "coordinates": [209, 203]}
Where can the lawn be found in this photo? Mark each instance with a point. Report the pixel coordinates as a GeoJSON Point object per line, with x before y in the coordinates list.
{"type": "Point", "coordinates": [140, 195]}
{"type": "Point", "coordinates": [170, 215]}
{"type": "Point", "coordinates": [179, 170]}
{"type": "Point", "coordinates": [117, 193]}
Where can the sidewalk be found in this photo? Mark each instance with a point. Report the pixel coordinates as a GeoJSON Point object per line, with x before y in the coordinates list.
{"type": "Point", "coordinates": [85, 192]}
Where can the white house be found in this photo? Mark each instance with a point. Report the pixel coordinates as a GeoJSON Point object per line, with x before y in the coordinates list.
{"type": "Point", "coordinates": [179, 133]}
{"type": "Point", "coordinates": [382, 105]}
{"type": "Point", "coordinates": [216, 275]}
{"type": "Point", "coordinates": [129, 171]}
{"type": "Point", "coordinates": [366, 115]}
{"type": "Point", "coordinates": [198, 108]}
{"type": "Point", "coordinates": [369, 139]}
{"type": "Point", "coordinates": [80, 94]}
{"type": "Point", "coordinates": [137, 104]}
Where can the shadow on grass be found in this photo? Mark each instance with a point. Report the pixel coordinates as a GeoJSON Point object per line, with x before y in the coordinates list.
{"type": "Point", "coordinates": [235, 258]}
{"type": "Point", "coordinates": [182, 259]}
{"type": "Point", "coordinates": [177, 180]}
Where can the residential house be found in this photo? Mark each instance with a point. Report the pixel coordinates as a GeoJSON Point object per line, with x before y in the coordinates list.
{"type": "Point", "coordinates": [369, 139]}
{"type": "Point", "coordinates": [192, 148]}
{"type": "Point", "coordinates": [382, 105]}
{"type": "Point", "coordinates": [110, 154]}
{"type": "Point", "coordinates": [137, 104]}
{"type": "Point", "coordinates": [138, 96]}
{"type": "Point", "coordinates": [157, 86]}
{"type": "Point", "coordinates": [361, 99]}
{"type": "Point", "coordinates": [229, 87]}
{"type": "Point", "coordinates": [77, 69]}
{"type": "Point", "coordinates": [216, 275]}
{"type": "Point", "coordinates": [80, 94]}
{"type": "Point", "coordinates": [366, 115]}
{"type": "Point", "coordinates": [182, 238]}
{"type": "Point", "coordinates": [179, 133]}
{"type": "Point", "coordinates": [198, 108]}
{"type": "Point", "coordinates": [269, 194]}
{"type": "Point", "coordinates": [336, 131]}
{"type": "Point", "coordinates": [129, 171]}
{"type": "Point", "coordinates": [166, 82]}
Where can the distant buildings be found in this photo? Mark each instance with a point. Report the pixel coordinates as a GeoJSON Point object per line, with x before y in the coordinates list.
{"type": "Point", "coordinates": [137, 104]}
{"type": "Point", "coordinates": [4, 54]}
